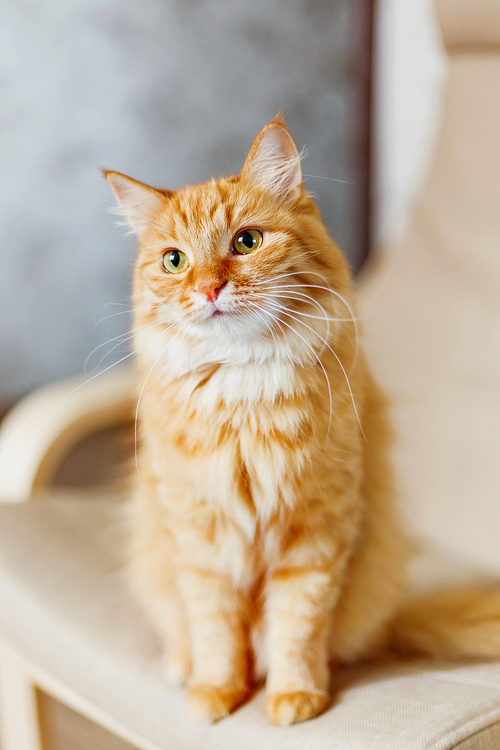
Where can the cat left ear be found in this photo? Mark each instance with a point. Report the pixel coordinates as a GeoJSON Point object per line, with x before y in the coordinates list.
{"type": "Point", "coordinates": [274, 162]}
{"type": "Point", "coordinates": [137, 202]}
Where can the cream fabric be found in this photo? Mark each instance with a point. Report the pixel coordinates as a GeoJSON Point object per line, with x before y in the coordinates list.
{"type": "Point", "coordinates": [487, 739]}
{"type": "Point", "coordinates": [469, 22]}
{"type": "Point", "coordinates": [433, 325]}
{"type": "Point", "coordinates": [64, 605]}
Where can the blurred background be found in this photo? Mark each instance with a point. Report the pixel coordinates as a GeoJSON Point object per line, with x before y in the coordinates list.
{"type": "Point", "coordinates": [172, 92]}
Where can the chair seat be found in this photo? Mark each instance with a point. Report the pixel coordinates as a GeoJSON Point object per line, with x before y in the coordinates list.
{"type": "Point", "coordinates": [64, 605]}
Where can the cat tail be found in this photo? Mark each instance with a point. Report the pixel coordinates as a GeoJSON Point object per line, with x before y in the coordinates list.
{"type": "Point", "coordinates": [454, 623]}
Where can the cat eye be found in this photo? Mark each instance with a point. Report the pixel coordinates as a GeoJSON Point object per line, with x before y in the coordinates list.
{"type": "Point", "coordinates": [174, 261]}
{"type": "Point", "coordinates": [246, 241]}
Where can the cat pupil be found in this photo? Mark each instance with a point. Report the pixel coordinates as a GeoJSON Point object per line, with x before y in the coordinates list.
{"type": "Point", "coordinates": [175, 258]}
{"type": "Point", "coordinates": [247, 239]}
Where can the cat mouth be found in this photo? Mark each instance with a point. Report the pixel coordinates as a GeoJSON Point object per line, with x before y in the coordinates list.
{"type": "Point", "coordinates": [217, 313]}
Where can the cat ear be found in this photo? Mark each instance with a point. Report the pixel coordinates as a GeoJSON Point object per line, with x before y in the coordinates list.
{"type": "Point", "coordinates": [274, 162]}
{"type": "Point", "coordinates": [136, 201]}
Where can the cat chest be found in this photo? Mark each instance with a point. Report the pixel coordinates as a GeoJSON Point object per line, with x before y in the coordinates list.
{"type": "Point", "coordinates": [245, 461]}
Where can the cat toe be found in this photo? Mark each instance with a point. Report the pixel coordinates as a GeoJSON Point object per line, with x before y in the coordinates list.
{"type": "Point", "coordinates": [209, 703]}
{"type": "Point", "coordinates": [288, 708]}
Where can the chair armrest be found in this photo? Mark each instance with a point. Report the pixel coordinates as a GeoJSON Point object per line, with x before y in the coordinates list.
{"type": "Point", "coordinates": [41, 429]}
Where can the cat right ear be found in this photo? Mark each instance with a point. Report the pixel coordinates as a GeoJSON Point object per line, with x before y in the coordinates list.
{"type": "Point", "coordinates": [274, 162]}
{"type": "Point", "coordinates": [137, 202]}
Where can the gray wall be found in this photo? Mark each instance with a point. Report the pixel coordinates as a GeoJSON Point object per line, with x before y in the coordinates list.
{"type": "Point", "coordinates": [170, 92]}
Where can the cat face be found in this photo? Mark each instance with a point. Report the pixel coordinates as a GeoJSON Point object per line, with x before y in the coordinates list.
{"type": "Point", "coordinates": [238, 258]}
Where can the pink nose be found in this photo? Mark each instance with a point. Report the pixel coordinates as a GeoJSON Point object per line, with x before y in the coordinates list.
{"type": "Point", "coordinates": [210, 290]}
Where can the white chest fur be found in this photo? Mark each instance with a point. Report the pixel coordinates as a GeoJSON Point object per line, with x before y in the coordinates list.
{"type": "Point", "coordinates": [258, 406]}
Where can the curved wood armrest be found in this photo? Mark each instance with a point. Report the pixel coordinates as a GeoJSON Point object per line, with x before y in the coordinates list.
{"type": "Point", "coordinates": [38, 432]}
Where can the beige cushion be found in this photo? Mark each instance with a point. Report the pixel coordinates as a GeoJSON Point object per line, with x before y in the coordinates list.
{"type": "Point", "coordinates": [469, 22]}
{"type": "Point", "coordinates": [488, 739]}
{"type": "Point", "coordinates": [64, 605]}
{"type": "Point", "coordinates": [433, 329]}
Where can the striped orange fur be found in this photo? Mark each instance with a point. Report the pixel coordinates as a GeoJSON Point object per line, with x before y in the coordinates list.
{"type": "Point", "coordinates": [266, 542]}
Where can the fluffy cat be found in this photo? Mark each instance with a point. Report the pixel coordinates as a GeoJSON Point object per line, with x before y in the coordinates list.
{"type": "Point", "coordinates": [266, 540]}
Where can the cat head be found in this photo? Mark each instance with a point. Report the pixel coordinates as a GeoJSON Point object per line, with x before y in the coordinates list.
{"type": "Point", "coordinates": [242, 258]}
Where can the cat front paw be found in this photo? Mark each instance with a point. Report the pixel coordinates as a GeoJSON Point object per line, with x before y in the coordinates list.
{"type": "Point", "coordinates": [209, 703]}
{"type": "Point", "coordinates": [289, 708]}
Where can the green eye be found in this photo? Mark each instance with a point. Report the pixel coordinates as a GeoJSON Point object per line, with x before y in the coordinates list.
{"type": "Point", "coordinates": [247, 241]}
{"type": "Point", "coordinates": [175, 261]}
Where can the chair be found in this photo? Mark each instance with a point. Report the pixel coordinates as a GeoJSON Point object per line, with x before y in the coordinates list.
{"type": "Point", "coordinates": [68, 628]}
{"type": "Point", "coordinates": [66, 624]}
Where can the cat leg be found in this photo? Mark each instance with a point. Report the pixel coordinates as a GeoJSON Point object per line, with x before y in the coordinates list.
{"type": "Point", "coordinates": [299, 608]}
{"type": "Point", "coordinates": [152, 578]}
{"type": "Point", "coordinates": [219, 680]}
{"type": "Point", "coordinates": [156, 590]}
{"type": "Point", "coordinates": [300, 600]}
{"type": "Point", "coordinates": [172, 619]}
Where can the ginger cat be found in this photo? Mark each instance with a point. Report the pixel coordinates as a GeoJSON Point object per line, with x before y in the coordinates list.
{"type": "Point", "coordinates": [266, 541]}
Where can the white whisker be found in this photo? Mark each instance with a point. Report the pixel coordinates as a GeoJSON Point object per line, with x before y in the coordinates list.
{"type": "Point", "coordinates": [354, 319]}
{"type": "Point", "coordinates": [301, 322]}
{"type": "Point", "coordinates": [280, 308]}
{"type": "Point", "coordinates": [306, 296]}
{"type": "Point", "coordinates": [120, 342]}
{"type": "Point", "coordinates": [315, 355]}
{"type": "Point", "coordinates": [106, 229]}
{"type": "Point", "coordinates": [258, 311]}
{"type": "Point", "coordinates": [290, 294]}
{"type": "Point", "coordinates": [123, 336]}
{"type": "Point", "coordinates": [317, 286]}
{"type": "Point", "coordinates": [127, 338]}
{"type": "Point", "coordinates": [113, 365]}
{"type": "Point", "coordinates": [293, 273]}
{"type": "Point", "coordinates": [117, 304]}
{"type": "Point", "coordinates": [309, 286]}
{"type": "Point", "coordinates": [113, 315]}
{"type": "Point", "coordinates": [324, 317]}
{"type": "Point", "coordinates": [330, 179]}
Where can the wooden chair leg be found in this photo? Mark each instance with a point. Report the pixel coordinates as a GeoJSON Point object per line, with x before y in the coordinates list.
{"type": "Point", "coordinates": [19, 724]}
